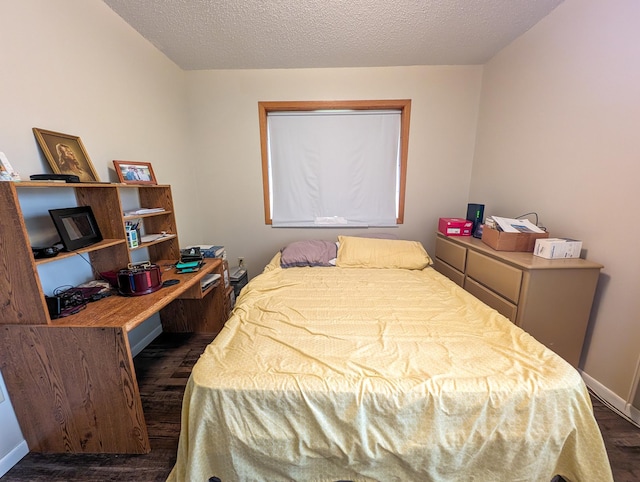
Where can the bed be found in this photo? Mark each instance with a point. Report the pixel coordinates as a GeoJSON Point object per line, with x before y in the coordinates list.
{"type": "Point", "coordinates": [379, 368]}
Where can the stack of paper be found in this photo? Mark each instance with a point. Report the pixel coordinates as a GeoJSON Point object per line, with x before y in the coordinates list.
{"type": "Point", "coordinates": [208, 280]}
{"type": "Point", "coordinates": [143, 211]}
{"type": "Point", "coordinates": [509, 225]}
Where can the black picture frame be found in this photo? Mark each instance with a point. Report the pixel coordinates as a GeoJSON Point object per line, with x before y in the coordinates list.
{"type": "Point", "coordinates": [76, 226]}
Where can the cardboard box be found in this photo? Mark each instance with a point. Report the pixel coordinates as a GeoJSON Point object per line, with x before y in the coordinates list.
{"type": "Point", "coordinates": [554, 248]}
{"type": "Point", "coordinates": [455, 226]}
{"type": "Point", "coordinates": [501, 241]}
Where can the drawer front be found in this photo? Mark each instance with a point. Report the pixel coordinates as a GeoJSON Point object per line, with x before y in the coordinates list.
{"type": "Point", "coordinates": [488, 297]}
{"type": "Point", "coordinates": [495, 275]}
{"type": "Point", "coordinates": [454, 275]}
{"type": "Point", "coordinates": [451, 253]}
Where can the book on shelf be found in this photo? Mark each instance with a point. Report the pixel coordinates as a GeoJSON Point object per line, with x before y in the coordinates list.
{"type": "Point", "coordinates": [211, 250]}
{"type": "Point", "coordinates": [149, 238]}
{"type": "Point", "coordinates": [208, 280]}
{"type": "Point", "coordinates": [139, 211]}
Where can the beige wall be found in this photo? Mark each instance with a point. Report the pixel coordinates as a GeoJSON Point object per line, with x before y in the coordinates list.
{"type": "Point", "coordinates": [75, 67]}
{"type": "Point", "coordinates": [558, 133]}
{"type": "Point", "coordinates": [223, 106]}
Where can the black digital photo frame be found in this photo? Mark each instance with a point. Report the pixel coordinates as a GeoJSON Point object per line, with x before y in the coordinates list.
{"type": "Point", "coordinates": [76, 226]}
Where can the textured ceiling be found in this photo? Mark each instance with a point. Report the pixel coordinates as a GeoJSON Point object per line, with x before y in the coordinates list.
{"type": "Point", "coordinates": [263, 34]}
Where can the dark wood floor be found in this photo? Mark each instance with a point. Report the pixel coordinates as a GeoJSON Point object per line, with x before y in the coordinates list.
{"type": "Point", "coordinates": [163, 368]}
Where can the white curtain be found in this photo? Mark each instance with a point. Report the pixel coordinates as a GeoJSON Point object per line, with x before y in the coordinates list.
{"type": "Point", "coordinates": [334, 167]}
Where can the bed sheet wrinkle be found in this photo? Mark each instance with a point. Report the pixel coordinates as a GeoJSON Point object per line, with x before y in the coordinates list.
{"type": "Point", "coordinates": [405, 385]}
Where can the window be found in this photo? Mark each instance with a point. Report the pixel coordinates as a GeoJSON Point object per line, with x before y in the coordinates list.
{"type": "Point", "coordinates": [334, 162]}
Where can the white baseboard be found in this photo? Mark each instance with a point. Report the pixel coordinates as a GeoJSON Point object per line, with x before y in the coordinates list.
{"type": "Point", "coordinates": [13, 457]}
{"type": "Point", "coordinates": [618, 403]}
{"type": "Point", "coordinates": [148, 338]}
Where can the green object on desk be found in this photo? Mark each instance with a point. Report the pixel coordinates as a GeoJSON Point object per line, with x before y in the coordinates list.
{"type": "Point", "coordinates": [190, 264]}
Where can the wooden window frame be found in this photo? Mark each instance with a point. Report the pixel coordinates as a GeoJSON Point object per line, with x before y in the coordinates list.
{"type": "Point", "coordinates": [403, 105]}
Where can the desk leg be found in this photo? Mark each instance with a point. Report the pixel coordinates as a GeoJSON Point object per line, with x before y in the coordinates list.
{"type": "Point", "coordinates": [74, 389]}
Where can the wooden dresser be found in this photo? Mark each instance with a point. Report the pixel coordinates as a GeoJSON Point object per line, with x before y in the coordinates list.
{"type": "Point", "coordinates": [550, 299]}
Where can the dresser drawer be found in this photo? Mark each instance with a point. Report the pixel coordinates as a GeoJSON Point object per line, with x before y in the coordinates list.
{"type": "Point", "coordinates": [451, 253]}
{"type": "Point", "coordinates": [490, 298]}
{"type": "Point", "coordinates": [454, 275]}
{"type": "Point", "coordinates": [495, 275]}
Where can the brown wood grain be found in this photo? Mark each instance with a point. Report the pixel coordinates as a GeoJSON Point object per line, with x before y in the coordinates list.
{"type": "Point", "coordinates": [105, 204]}
{"type": "Point", "coordinates": [72, 380]}
{"type": "Point", "coordinates": [112, 259]}
{"type": "Point", "coordinates": [195, 316]}
{"type": "Point", "coordinates": [160, 197]}
{"type": "Point", "coordinates": [21, 298]}
{"type": "Point", "coordinates": [169, 249]}
{"type": "Point", "coordinates": [76, 391]}
{"type": "Point", "coordinates": [196, 311]}
{"type": "Point", "coordinates": [227, 300]}
{"type": "Point", "coordinates": [101, 245]}
{"type": "Point", "coordinates": [127, 312]}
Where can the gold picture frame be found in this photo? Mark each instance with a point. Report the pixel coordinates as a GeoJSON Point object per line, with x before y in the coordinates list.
{"type": "Point", "coordinates": [66, 154]}
{"type": "Point", "coordinates": [135, 172]}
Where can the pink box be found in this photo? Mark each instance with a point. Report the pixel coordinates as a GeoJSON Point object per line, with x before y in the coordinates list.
{"type": "Point", "coordinates": [455, 226]}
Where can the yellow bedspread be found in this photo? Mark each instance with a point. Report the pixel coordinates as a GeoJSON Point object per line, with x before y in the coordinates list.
{"type": "Point", "coordinates": [326, 374]}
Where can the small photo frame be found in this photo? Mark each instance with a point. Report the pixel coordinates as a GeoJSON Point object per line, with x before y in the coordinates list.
{"type": "Point", "coordinates": [135, 172]}
{"type": "Point", "coordinates": [66, 154]}
{"type": "Point", "coordinates": [6, 171]}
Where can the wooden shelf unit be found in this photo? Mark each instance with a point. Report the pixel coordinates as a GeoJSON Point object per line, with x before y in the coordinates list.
{"type": "Point", "coordinates": [72, 380]}
{"type": "Point", "coordinates": [548, 298]}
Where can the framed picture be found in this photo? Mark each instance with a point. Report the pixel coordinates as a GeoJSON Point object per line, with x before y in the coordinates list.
{"type": "Point", "coordinates": [6, 171]}
{"type": "Point", "coordinates": [135, 172]}
{"type": "Point", "coordinates": [76, 226]}
{"type": "Point", "coordinates": [66, 154]}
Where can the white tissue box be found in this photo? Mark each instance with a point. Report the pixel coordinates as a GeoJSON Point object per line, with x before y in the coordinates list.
{"type": "Point", "coordinates": [554, 248]}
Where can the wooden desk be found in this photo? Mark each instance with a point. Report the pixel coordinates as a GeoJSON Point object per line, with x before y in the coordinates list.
{"type": "Point", "coordinates": [73, 383]}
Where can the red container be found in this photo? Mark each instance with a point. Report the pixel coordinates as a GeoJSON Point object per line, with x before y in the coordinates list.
{"type": "Point", "coordinates": [455, 226]}
{"type": "Point", "coordinates": [139, 280]}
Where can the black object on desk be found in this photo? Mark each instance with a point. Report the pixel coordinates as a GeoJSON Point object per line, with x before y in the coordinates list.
{"type": "Point", "coordinates": [55, 177]}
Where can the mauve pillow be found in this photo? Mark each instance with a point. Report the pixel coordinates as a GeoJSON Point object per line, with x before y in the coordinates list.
{"type": "Point", "coordinates": [308, 253]}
